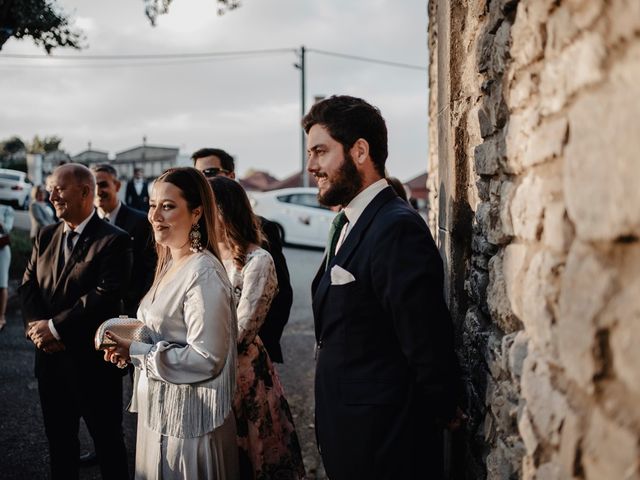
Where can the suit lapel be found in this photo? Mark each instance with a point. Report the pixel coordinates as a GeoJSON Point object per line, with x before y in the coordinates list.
{"type": "Point", "coordinates": [346, 251]}
{"type": "Point", "coordinates": [80, 250]}
{"type": "Point", "coordinates": [55, 252]}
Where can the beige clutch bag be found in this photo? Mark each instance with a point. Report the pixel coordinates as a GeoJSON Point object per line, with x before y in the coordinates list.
{"type": "Point", "coordinates": [125, 327]}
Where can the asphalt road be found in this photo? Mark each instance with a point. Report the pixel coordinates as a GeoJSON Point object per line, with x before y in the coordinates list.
{"type": "Point", "coordinates": [23, 446]}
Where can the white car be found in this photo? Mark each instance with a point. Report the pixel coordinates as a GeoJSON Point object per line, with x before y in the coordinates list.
{"type": "Point", "coordinates": [14, 188]}
{"type": "Point", "coordinates": [296, 211]}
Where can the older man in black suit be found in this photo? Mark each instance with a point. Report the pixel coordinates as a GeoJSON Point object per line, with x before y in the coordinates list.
{"type": "Point", "coordinates": [386, 371]}
{"type": "Point", "coordinates": [75, 280]}
{"type": "Point", "coordinates": [134, 222]}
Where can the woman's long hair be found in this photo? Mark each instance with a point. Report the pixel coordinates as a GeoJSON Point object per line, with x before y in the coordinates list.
{"type": "Point", "coordinates": [195, 190]}
{"type": "Point", "coordinates": [240, 224]}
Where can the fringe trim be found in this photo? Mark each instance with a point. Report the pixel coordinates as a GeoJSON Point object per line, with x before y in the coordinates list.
{"type": "Point", "coordinates": [193, 410]}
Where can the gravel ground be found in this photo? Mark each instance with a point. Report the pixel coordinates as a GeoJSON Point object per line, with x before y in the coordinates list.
{"type": "Point", "coordinates": [23, 445]}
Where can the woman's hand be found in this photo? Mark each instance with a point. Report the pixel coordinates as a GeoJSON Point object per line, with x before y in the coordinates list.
{"type": "Point", "coordinates": [118, 354]}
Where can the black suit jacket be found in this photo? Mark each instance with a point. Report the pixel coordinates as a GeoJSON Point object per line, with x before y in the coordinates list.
{"type": "Point", "coordinates": [139, 202]}
{"type": "Point", "coordinates": [136, 224]}
{"type": "Point", "coordinates": [87, 291]}
{"type": "Point", "coordinates": [278, 315]}
{"type": "Point", "coordinates": [386, 372]}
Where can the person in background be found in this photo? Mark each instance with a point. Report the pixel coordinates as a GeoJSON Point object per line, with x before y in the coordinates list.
{"type": "Point", "coordinates": [215, 162]}
{"type": "Point", "coordinates": [6, 225]}
{"type": "Point", "coordinates": [185, 380]}
{"type": "Point", "coordinates": [40, 212]}
{"type": "Point", "coordinates": [74, 281]}
{"type": "Point", "coordinates": [133, 221]}
{"type": "Point", "coordinates": [398, 187]}
{"type": "Point", "coordinates": [137, 192]}
{"type": "Point", "coordinates": [387, 378]}
{"type": "Point", "coordinates": [267, 439]}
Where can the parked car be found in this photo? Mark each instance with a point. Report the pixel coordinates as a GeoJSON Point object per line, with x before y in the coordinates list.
{"type": "Point", "coordinates": [15, 188]}
{"type": "Point", "coordinates": [296, 211]}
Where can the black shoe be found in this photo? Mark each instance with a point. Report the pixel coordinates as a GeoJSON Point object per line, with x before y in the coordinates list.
{"type": "Point", "coordinates": [87, 459]}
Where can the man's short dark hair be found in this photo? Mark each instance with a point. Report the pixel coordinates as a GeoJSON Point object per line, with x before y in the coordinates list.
{"type": "Point", "coordinates": [349, 118]}
{"type": "Point", "coordinates": [106, 168]}
{"type": "Point", "coordinates": [226, 160]}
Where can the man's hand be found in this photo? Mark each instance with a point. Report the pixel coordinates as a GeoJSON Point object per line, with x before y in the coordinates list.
{"type": "Point", "coordinates": [42, 338]}
{"type": "Point", "coordinates": [118, 354]}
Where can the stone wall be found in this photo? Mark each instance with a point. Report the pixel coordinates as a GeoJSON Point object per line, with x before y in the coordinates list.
{"type": "Point", "coordinates": [535, 181]}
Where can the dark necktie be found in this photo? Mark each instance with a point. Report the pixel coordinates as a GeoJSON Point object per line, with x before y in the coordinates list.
{"type": "Point", "coordinates": [68, 245]}
{"type": "Point", "coordinates": [334, 234]}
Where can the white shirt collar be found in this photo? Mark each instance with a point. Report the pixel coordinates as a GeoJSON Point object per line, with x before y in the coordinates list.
{"type": "Point", "coordinates": [111, 216]}
{"type": "Point", "coordinates": [356, 206]}
{"type": "Point", "coordinates": [80, 228]}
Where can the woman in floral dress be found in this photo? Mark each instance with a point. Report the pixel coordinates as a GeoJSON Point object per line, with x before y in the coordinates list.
{"type": "Point", "coordinates": [267, 440]}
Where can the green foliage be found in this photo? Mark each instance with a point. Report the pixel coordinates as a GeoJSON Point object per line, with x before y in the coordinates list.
{"type": "Point", "coordinates": [20, 252]}
{"type": "Point", "coordinates": [153, 8]}
{"type": "Point", "coordinates": [44, 145]}
{"type": "Point", "coordinates": [42, 20]}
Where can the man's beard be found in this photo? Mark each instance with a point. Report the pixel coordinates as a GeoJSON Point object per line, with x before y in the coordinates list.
{"type": "Point", "coordinates": [345, 184]}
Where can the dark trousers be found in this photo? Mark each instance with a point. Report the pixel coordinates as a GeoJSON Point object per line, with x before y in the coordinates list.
{"type": "Point", "coordinates": [65, 396]}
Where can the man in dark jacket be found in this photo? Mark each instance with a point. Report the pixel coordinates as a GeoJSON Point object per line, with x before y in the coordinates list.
{"type": "Point", "coordinates": [213, 162]}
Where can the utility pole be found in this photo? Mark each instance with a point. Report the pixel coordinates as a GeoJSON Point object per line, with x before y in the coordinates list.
{"type": "Point", "coordinates": [300, 66]}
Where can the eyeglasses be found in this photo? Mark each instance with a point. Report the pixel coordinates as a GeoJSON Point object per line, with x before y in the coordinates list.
{"type": "Point", "coordinates": [214, 172]}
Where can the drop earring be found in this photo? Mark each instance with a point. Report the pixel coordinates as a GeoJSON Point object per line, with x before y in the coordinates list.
{"type": "Point", "coordinates": [194, 237]}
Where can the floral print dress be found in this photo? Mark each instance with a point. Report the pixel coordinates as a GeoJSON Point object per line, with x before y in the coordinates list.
{"type": "Point", "coordinates": [267, 440]}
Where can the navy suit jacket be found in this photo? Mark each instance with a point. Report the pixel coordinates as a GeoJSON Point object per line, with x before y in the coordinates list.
{"type": "Point", "coordinates": [386, 372]}
{"type": "Point", "coordinates": [136, 224]}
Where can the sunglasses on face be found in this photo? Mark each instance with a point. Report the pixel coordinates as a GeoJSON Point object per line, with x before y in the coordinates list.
{"type": "Point", "coordinates": [214, 172]}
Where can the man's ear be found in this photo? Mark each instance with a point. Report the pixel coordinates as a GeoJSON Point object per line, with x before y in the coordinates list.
{"type": "Point", "coordinates": [86, 191]}
{"type": "Point", "coordinates": [360, 151]}
{"type": "Point", "coordinates": [117, 184]}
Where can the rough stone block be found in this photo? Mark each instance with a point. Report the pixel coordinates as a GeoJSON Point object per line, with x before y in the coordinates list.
{"type": "Point", "coordinates": [549, 471]}
{"type": "Point", "coordinates": [546, 142]}
{"type": "Point", "coordinates": [514, 268]}
{"type": "Point", "coordinates": [586, 286]}
{"type": "Point", "coordinates": [539, 295]}
{"type": "Point", "coordinates": [501, 46]}
{"type": "Point", "coordinates": [561, 29]}
{"type": "Point", "coordinates": [572, 432]}
{"type": "Point", "coordinates": [547, 407]}
{"type": "Point", "coordinates": [522, 87]}
{"type": "Point", "coordinates": [519, 129]}
{"type": "Point", "coordinates": [527, 33]}
{"type": "Point", "coordinates": [517, 353]}
{"type": "Point", "coordinates": [601, 159]}
{"type": "Point", "coordinates": [507, 189]}
{"type": "Point", "coordinates": [623, 316]}
{"type": "Point", "coordinates": [624, 17]}
{"type": "Point", "coordinates": [610, 450]}
{"type": "Point", "coordinates": [476, 287]}
{"type": "Point", "coordinates": [579, 65]}
{"type": "Point", "coordinates": [557, 232]}
{"type": "Point", "coordinates": [488, 155]}
{"type": "Point", "coordinates": [527, 433]}
{"type": "Point", "coordinates": [497, 299]}
{"type": "Point", "coordinates": [584, 14]}
{"type": "Point", "coordinates": [527, 208]}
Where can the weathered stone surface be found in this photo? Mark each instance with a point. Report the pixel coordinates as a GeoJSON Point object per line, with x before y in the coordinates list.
{"type": "Point", "coordinates": [549, 471]}
{"type": "Point", "coordinates": [498, 300]}
{"type": "Point", "coordinates": [601, 158]}
{"type": "Point", "coordinates": [505, 460]}
{"type": "Point", "coordinates": [584, 14]}
{"type": "Point", "coordinates": [570, 438]}
{"type": "Point", "coordinates": [507, 189]}
{"type": "Point", "coordinates": [519, 129]}
{"type": "Point", "coordinates": [625, 19]}
{"type": "Point", "coordinates": [545, 404]}
{"type": "Point", "coordinates": [610, 450]}
{"type": "Point", "coordinates": [579, 65]}
{"type": "Point", "coordinates": [527, 33]}
{"type": "Point", "coordinates": [527, 432]}
{"type": "Point", "coordinates": [539, 296]}
{"type": "Point", "coordinates": [585, 288]}
{"type": "Point", "coordinates": [546, 142]}
{"type": "Point", "coordinates": [517, 353]}
{"type": "Point", "coordinates": [488, 154]}
{"type": "Point", "coordinates": [561, 29]}
{"type": "Point", "coordinates": [514, 264]}
{"type": "Point", "coordinates": [557, 232]}
{"type": "Point", "coordinates": [527, 208]}
{"type": "Point", "coordinates": [480, 244]}
{"type": "Point", "coordinates": [623, 316]}
{"type": "Point", "coordinates": [523, 86]}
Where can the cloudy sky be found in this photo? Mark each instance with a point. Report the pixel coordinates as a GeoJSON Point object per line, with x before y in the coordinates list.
{"type": "Point", "coordinates": [248, 105]}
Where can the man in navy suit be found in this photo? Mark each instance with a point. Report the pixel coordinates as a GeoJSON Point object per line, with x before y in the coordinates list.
{"type": "Point", "coordinates": [137, 192]}
{"type": "Point", "coordinates": [134, 222]}
{"type": "Point", "coordinates": [386, 373]}
{"type": "Point", "coordinates": [75, 279]}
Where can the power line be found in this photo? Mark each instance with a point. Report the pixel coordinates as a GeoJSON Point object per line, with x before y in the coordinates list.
{"type": "Point", "coordinates": [366, 59]}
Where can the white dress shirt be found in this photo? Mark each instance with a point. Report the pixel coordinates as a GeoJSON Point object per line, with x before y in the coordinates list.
{"type": "Point", "coordinates": [112, 215]}
{"type": "Point", "coordinates": [356, 206]}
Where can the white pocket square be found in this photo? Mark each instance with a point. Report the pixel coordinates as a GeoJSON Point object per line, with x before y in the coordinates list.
{"type": "Point", "coordinates": [340, 276]}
